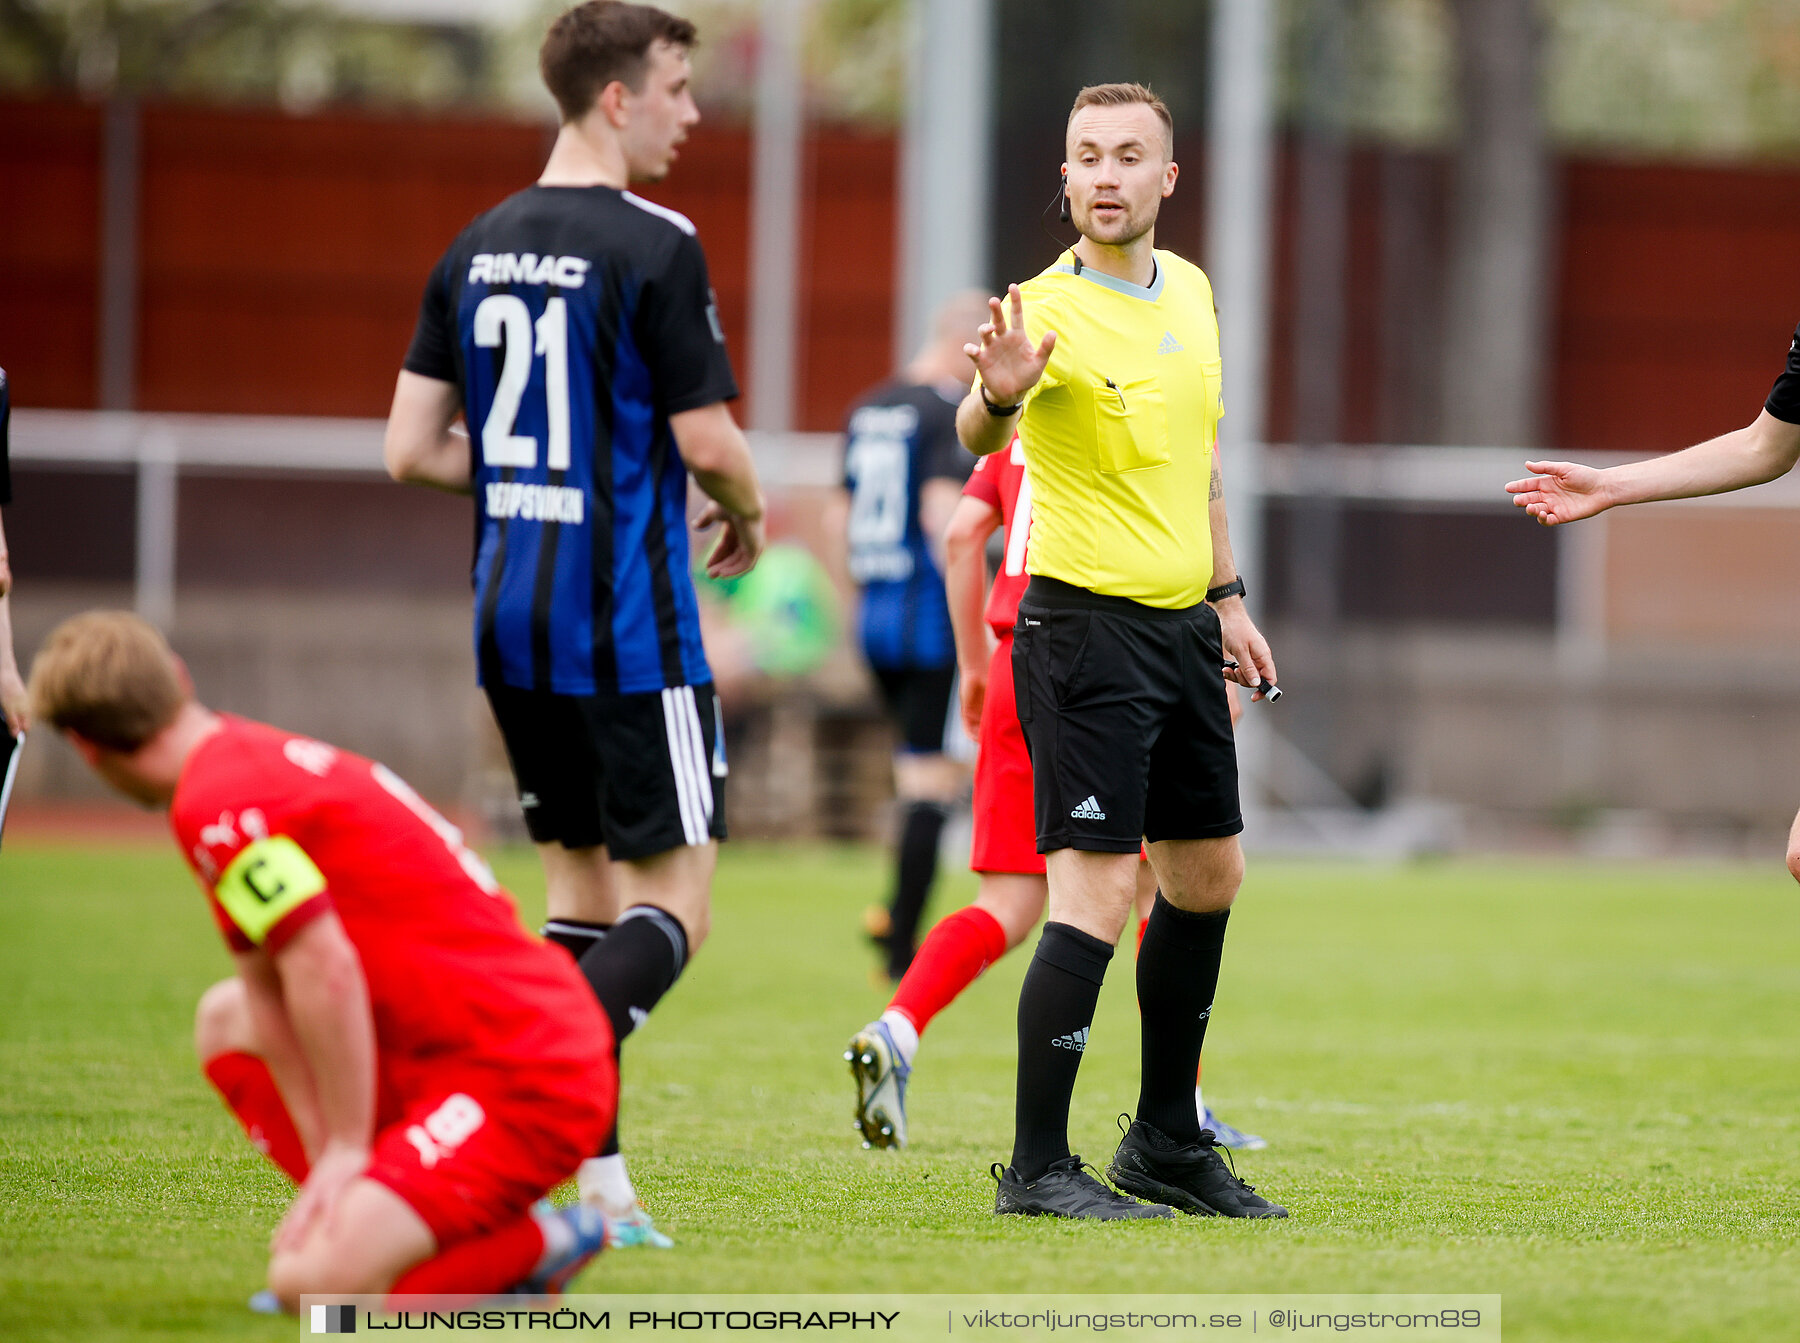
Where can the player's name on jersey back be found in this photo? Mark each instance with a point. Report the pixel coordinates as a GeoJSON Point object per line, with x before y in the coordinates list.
{"type": "Point", "coordinates": [540, 503]}
{"type": "Point", "coordinates": [886, 566]}
{"type": "Point", "coordinates": [898, 421]}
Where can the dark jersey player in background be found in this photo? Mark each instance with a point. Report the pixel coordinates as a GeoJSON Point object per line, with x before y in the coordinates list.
{"type": "Point", "coordinates": [903, 473]}
{"type": "Point", "coordinates": [573, 330]}
{"type": "Point", "coordinates": [1761, 451]}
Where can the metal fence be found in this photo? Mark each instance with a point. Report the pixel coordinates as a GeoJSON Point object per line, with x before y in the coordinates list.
{"type": "Point", "coordinates": [1628, 705]}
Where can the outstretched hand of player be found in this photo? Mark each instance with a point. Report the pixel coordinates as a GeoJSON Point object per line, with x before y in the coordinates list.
{"type": "Point", "coordinates": [1009, 364]}
{"type": "Point", "coordinates": [1560, 492]}
{"type": "Point", "coordinates": [1245, 646]}
{"type": "Point", "coordinates": [339, 1166]}
{"type": "Point", "coordinates": [740, 544]}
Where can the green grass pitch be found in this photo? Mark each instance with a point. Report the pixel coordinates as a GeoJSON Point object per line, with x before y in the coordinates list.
{"type": "Point", "coordinates": [1575, 1085]}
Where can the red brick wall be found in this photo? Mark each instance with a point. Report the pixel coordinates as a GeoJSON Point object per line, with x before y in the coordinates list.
{"type": "Point", "coordinates": [283, 257]}
{"type": "Point", "coordinates": [49, 251]}
{"type": "Point", "coordinates": [1680, 288]}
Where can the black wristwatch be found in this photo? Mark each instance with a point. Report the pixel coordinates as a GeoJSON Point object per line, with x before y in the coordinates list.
{"type": "Point", "coordinates": [1235, 588]}
{"type": "Point", "coordinates": [998, 412]}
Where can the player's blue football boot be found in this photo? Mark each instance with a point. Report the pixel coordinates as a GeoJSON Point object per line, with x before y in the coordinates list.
{"type": "Point", "coordinates": [1227, 1136]}
{"type": "Point", "coordinates": [880, 1072]}
{"type": "Point", "coordinates": [587, 1237]}
{"type": "Point", "coordinates": [266, 1302]}
{"type": "Point", "coordinates": [634, 1227]}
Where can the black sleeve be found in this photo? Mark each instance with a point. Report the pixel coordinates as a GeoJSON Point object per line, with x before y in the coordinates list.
{"type": "Point", "coordinates": [680, 335]}
{"type": "Point", "coordinates": [1784, 399]}
{"type": "Point", "coordinates": [433, 350]}
{"type": "Point", "coordinates": [943, 455]}
{"type": "Point", "coordinates": [5, 426]}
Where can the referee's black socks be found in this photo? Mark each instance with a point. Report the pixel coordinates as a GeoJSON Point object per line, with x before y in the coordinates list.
{"type": "Point", "coordinates": [1056, 1008]}
{"type": "Point", "coordinates": [1177, 973]}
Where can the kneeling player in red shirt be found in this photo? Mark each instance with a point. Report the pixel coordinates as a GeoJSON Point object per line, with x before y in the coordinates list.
{"type": "Point", "coordinates": [419, 1065]}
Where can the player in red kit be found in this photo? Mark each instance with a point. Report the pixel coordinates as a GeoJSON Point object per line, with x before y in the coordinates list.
{"type": "Point", "coordinates": [1004, 848]}
{"type": "Point", "coordinates": [393, 1039]}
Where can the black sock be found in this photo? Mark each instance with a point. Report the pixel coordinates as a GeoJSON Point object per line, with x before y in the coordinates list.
{"type": "Point", "coordinates": [1056, 1007]}
{"type": "Point", "coordinates": [1177, 972]}
{"type": "Point", "coordinates": [574, 936]}
{"type": "Point", "coordinates": [915, 868]}
{"type": "Point", "coordinates": [630, 969]}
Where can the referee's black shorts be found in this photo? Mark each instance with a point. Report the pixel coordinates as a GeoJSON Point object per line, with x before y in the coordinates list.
{"type": "Point", "coordinates": [641, 774]}
{"type": "Point", "coordinates": [1125, 715]}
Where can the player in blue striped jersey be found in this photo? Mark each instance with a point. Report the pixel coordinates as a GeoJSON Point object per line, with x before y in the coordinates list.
{"type": "Point", "coordinates": [903, 474]}
{"type": "Point", "coordinates": [573, 330]}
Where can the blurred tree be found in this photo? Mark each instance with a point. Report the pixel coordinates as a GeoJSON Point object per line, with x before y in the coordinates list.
{"type": "Point", "coordinates": [855, 54]}
{"type": "Point", "coordinates": [255, 50]}
{"type": "Point", "coordinates": [1320, 244]}
{"type": "Point", "coordinates": [1702, 78]}
{"type": "Point", "coordinates": [1695, 77]}
{"type": "Point", "coordinates": [1707, 78]}
{"type": "Point", "coordinates": [856, 60]}
{"type": "Point", "coordinates": [1498, 284]}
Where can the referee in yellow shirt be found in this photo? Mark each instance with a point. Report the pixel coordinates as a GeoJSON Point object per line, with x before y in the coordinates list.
{"type": "Point", "coordinates": [1108, 366]}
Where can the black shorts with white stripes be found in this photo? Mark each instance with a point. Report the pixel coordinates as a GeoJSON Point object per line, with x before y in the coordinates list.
{"type": "Point", "coordinates": [641, 774]}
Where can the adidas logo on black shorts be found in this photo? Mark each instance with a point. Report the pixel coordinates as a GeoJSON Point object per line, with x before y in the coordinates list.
{"type": "Point", "coordinates": [1089, 811]}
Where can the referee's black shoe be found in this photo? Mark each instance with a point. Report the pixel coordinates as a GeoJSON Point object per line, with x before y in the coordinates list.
{"type": "Point", "coordinates": [1193, 1178]}
{"type": "Point", "coordinates": [1066, 1190]}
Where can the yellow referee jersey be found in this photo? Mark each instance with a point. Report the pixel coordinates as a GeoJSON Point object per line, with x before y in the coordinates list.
{"type": "Point", "coordinates": [1120, 430]}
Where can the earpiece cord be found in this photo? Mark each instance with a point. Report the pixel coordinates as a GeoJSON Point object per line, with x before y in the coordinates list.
{"type": "Point", "coordinates": [1059, 198]}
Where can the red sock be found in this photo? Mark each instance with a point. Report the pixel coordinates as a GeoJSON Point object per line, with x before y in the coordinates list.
{"type": "Point", "coordinates": [477, 1267]}
{"type": "Point", "coordinates": [1142, 924]}
{"type": "Point", "coordinates": [248, 1088]}
{"type": "Point", "coordinates": [957, 951]}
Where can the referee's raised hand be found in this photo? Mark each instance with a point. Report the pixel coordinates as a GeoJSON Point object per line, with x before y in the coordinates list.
{"type": "Point", "coordinates": [1008, 362]}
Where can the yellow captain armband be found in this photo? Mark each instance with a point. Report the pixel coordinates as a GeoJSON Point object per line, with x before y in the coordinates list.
{"type": "Point", "coordinates": [266, 881]}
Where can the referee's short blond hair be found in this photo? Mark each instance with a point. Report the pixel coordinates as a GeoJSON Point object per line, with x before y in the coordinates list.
{"type": "Point", "coordinates": [1127, 95]}
{"type": "Point", "coordinates": [110, 677]}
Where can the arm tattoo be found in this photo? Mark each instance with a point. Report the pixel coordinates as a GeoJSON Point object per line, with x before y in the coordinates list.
{"type": "Point", "coordinates": [1217, 490]}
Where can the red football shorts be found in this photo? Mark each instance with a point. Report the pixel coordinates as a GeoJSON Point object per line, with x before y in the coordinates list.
{"type": "Point", "coordinates": [472, 1149]}
{"type": "Point", "coordinates": [1005, 823]}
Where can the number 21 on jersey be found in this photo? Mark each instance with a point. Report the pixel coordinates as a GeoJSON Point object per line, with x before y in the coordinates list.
{"type": "Point", "coordinates": [504, 320]}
